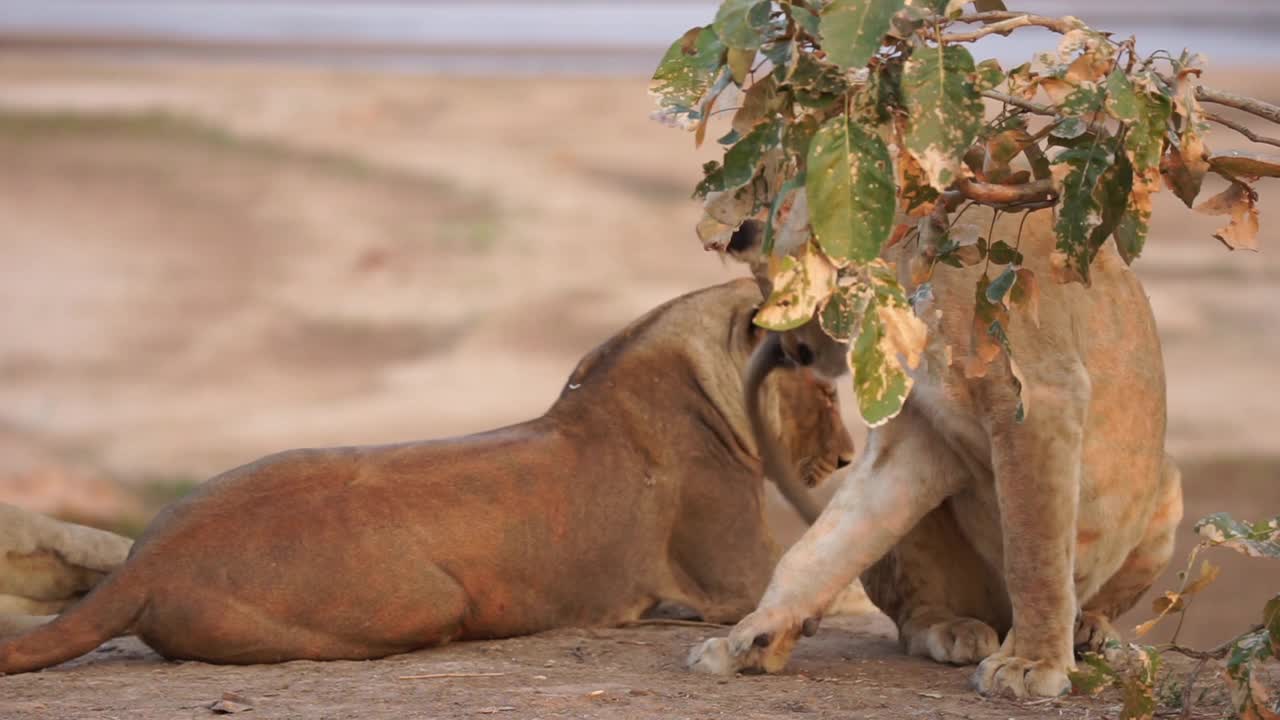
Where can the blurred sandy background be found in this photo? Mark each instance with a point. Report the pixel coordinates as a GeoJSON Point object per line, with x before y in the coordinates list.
{"type": "Point", "coordinates": [282, 229]}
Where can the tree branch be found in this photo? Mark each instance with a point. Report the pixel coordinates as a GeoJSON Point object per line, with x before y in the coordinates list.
{"type": "Point", "coordinates": [1003, 23]}
{"type": "Point", "coordinates": [1214, 117]}
{"type": "Point", "coordinates": [1259, 108]}
{"type": "Point", "coordinates": [1028, 196]}
{"type": "Point", "coordinates": [1216, 653]}
{"type": "Point", "coordinates": [1027, 105]}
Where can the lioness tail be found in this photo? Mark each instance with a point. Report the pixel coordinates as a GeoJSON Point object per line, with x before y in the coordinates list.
{"type": "Point", "coordinates": [106, 612]}
{"type": "Point", "coordinates": [766, 358]}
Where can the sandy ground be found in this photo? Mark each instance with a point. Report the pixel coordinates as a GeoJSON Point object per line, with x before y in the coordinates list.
{"type": "Point", "coordinates": [851, 669]}
{"type": "Point", "coordinates": [204, 264]}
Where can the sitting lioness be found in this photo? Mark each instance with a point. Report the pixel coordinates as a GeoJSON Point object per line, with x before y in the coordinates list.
{"type": "Point", "coordinates": [640, 488]}
{"type": "Point", "coordinates": [968, 525]}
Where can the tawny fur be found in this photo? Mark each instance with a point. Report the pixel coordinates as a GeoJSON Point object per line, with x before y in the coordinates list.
{"type": "Point", "coordinates": [967, 525]}
{"type": "Point", "coordinates": [640, 486]}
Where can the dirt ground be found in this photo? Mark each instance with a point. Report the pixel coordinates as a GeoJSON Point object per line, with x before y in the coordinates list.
{"type": "Point", "coordinates": [851, 669]}
{"type": "Point", "coordinates": [204, 264]}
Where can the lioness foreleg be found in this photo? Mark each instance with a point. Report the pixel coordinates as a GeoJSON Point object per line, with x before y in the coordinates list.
{"type": "Point", "coordinates": [892, 486]}
{"type": "Point", "coordinates": [1037, 466]}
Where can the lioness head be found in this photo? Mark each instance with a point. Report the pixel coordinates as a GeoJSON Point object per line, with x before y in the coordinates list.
{"type": "Point", "coordinates": [810, 429]}
{"type": "Point", "coordinates": [795, 418]}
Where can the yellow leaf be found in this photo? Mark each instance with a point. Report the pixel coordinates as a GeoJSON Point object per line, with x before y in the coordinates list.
{"type": "Point", "coordinates": [1208, 573]}
{"type": "Point", "coordinates": [904, 333]}
{"type": "Point", "coordinates": [1145, 627]}
{"type": "Point", "coordinates": [799, 284]}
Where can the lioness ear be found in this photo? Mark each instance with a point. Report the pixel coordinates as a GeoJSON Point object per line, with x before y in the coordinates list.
{"type": "Point", "coordinates": [745, 245]}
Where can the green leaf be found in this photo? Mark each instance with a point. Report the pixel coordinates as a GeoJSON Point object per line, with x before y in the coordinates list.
{"type": "Point", "coordinates": [741, 161]}
{"type": "Point", "coordinates": [1122, 100]}
{"type": "Point", "coordinates": [853, 30]}
{"type": "Point", "coordinates": [1092, 675]}
{"type": "Point", "coordinates": [989, 5]}
{"type": "Point", "coordinates": [816, 84]}
{"type": "Point", "coordinates": [944, 110]}
{"type": "Point", "coordinates": [1080, 212]}
{"type": "Point", "coordinates": [798, 135]}
{"type": "Point", "coordinates": [842, 314]}
{"type": "Point", "coordinates": [1070, 128]}
{"type": "Point", "coordinates": [1002, 253]}
{"type": "Point", "coordinates": [712, 179]}
{"type": "Point", "coordinates": [1113, 192]}
{"type": "Point", "coordinates": [1131, 234]}
{"type": "Point", "coordinates": [1254, 646]}
{"type": "Point", "coordinates": [759, 103]}
{"type": "Point", "coordinates": [686, 71]}
{"type": "Point", "coordinates": [1001, 286]}
{"type": "Point", "coordinates": [741, 24]}
{"type": "Point", "coordinates": [988, 75]}
{"type": "Point", "coordinates": [782, 55]}
{"type": "Point", "coordinates": [850, 188]}
{"type": "Point", "coordinates": [1261, 539]}
{"type": "Point", "coordinates": [1145, 138]}
{"type": "Point", "coordinates": [888, 335]}
{"type": "Point", "coordinates": [808, 21]}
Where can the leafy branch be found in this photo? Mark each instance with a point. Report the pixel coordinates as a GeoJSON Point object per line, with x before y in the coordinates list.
{"type": "Point", "coordinates": [855, 125]}
{"type": "Point", "coordinates": [1241, 658]}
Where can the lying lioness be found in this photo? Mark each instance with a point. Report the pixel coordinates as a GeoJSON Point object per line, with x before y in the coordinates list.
{"type": "Point", "coordinates": [46, 565]}
{"type": "Point", "coordinates": [639, 488]}
{"type": "Point", "coordinates": [968, 524]}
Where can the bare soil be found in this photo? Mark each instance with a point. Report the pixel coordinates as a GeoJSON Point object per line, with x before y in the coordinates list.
{"type": "Point", "coordinates": [853, 668]}
{"type": "Point", "coordinates": [205, 264]}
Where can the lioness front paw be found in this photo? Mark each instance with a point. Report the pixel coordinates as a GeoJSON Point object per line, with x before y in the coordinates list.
{"type": "Point", "coordinates": [1019, 677]}
{"type": "Point", "coordinates": [760, 642]}
{"type": "Point", "coordinates": [1093, 633]}
{"type": "Point", "coordinates": [959, 641]}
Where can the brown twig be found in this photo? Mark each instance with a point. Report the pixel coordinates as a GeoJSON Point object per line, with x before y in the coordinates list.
{"type": "Point", "coordinates": [1216, 653]}
{"type": "Point", "coordinates": [1033, 195]}
{"type": "Point", "coordinates": [435, 676]}
{"type": "Point", "coordinates": [674, 623]}
{"type": "Point", "coordinates": [1227, 122]}
{"type": "Point", "coordinates": [1017, 102]}
{"type": "Point", "coordinates": [1003, 23]}
{"type": "Point", "coordinates": [1259, 108]}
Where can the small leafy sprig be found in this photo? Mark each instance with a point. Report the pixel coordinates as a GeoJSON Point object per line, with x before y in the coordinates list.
{"type": "Point", "coordinates": [859, 124]}
{"type": "Point", "coordinates": [1135, 673]}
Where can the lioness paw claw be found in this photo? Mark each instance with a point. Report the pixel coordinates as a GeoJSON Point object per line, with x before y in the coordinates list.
{"type": "Point", "coordinates": [761, 642]}
{"type": "Point", "coordinates": [962, 641]}
{"type": "Point", "coordinates": [712, 657]}
{"type": "Point", "coordinates": [1093, 633]}
{"type": "Point", "coordinates": [1021, 678]}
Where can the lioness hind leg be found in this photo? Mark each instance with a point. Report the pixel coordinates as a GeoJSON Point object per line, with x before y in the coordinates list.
{"type": "Point", "coordinates": [946, 602]}
{"type": "Point", "coordinates": [1140, 569]}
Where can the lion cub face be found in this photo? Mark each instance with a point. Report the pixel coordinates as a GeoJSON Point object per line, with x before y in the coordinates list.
{"type": "Point", "coordinates": [810, 426]}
